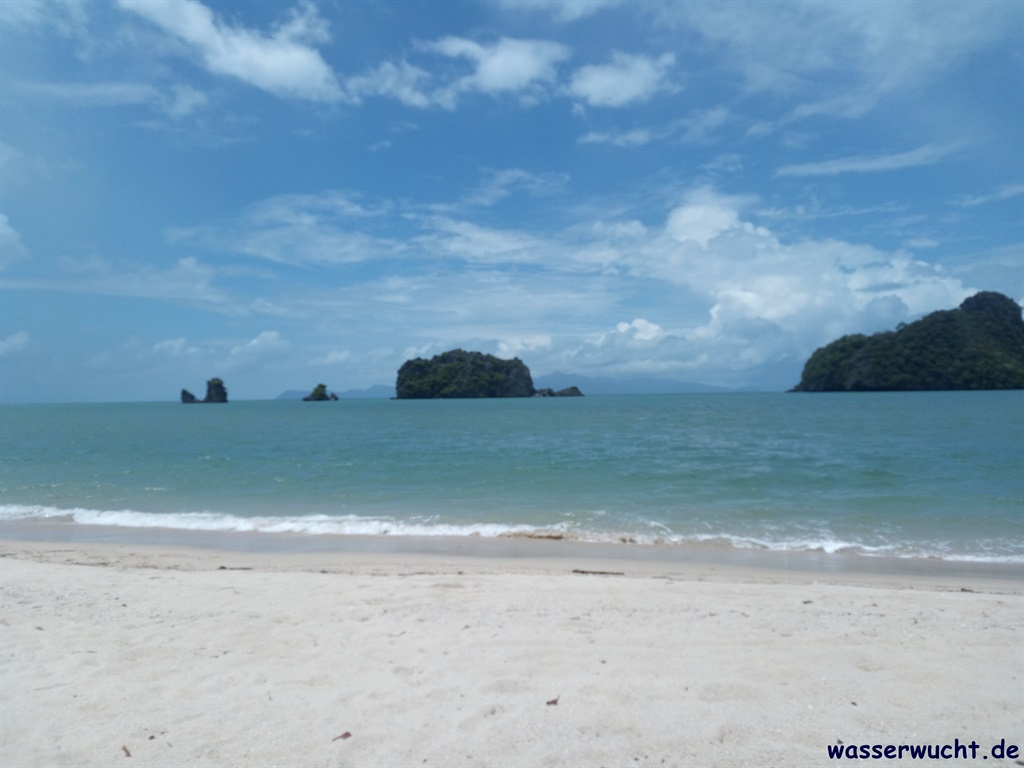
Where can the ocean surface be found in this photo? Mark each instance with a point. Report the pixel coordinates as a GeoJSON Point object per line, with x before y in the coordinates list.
{"type": "Point", "coordinates": [918, 475]}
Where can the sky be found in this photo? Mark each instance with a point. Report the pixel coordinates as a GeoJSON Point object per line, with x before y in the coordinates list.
{"type": "Point", "coordinates": [287, 193]}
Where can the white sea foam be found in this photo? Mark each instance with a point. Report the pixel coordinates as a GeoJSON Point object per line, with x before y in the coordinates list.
{"type": "Point", "coordinates": [356, 525]}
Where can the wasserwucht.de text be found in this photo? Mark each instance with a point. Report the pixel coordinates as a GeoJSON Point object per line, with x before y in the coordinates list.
{"type": "Point", "coordinates": [958, 750]}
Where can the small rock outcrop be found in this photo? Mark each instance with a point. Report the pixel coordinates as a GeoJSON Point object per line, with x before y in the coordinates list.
{"type": "Point", "coordinates": [567, 392]}
{"type": "Point", "coordinates": [319, 395]}
{"type": "Point", "coordinates": [216, 392]}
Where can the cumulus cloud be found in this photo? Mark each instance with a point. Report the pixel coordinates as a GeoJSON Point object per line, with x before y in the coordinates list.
{"type": "Point", "coordinates": [708, 286]}
{"type": "Point", "coordinates": [402, 81]}
{"type": "Point", "coordinates": [508, 65]}
{"type": "Point", "coordinates": [16, 342]}
{"type": "Point", "coordinates": [514, 346]}
{"type": "Point", "coordinates": [283, 63]}
{"type": "Point", "coordinates": [11, 247]}
{"type": "Point", "coordinates": [640, 329]}
{"type": "Point", "coordinates": [705, 216]}
{"type": "Point", "coordinates": [629, 78]}
{"type": "Point", "coordinates": [526, 68]}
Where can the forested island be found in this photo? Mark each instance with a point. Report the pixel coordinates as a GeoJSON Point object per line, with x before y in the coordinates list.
{"type": "Point", "coordinates": [458, 373]}
{"type": "Point", "coordinates": [980, 345]}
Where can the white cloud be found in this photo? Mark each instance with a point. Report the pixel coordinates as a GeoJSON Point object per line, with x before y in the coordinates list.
{"type": "Point", "coordinates": [641, 329]}
{"type": "Point", "coordinates": [561, 10]}
{"type": "Point", "coordinates": [861, 51]}
{"type": "Point", "coordinates": [402, 81]}
{"type": "Point", "coordinates": [631, 138]}
{"type": "Point", "coordinates": [179, 101]}
{"type": "Point", "coordinates": [705, 216]}
{"type": "Point", "coordinates": [497, 185]}
{"type": "Point", "coordinates": [514, 346]}
{"type": "Point", "coordinates": [283, 63]}
{"type": "Point", "coordinates": [266, 343]}
{"type": "Point", "coordinates": [508, 65]}
{"type": "Point", "coordinates": [629, 78]}
{"type": "Point", "coordinates": [174, 347]}
{"type": "Point", "coordinates": [1005, 192]}
{"type": "Point", "coordinates": [926, 155]}
{"type": "Point", "coordinates": [67, 17]}
{"type": "Point", "coordinates": [11, 247]}
{"type": "Point", "coordinates": [301, 229]}
{"type": "Point", "coordinates": [334, 357]}
{"type": "Point", "coordinates": [698, 127]}
{"type": "Point", "coordinates": [16, 342]}
{"type": "Point", "coordinates": [470, 241]}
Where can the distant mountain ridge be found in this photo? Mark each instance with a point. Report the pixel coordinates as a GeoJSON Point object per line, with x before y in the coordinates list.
{"type": "Point", "coordinates": [980, 345]}
{"type": "Point", "coordinates": [638, 385]}
{"type": "Point", "coordinates": [377, 390]}
{"type": "Point", "coordinates": [590, 385]}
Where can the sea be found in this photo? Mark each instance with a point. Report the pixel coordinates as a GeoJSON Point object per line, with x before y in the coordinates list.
{"type": "Point", "coordinates": [904, 475]}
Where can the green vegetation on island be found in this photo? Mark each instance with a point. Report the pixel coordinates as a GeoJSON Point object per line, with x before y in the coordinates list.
{"type": "Point", "coordinates": [980, 345]}
{"type": "Point", "coordinates": [319, 394]}
{"type": "Point", "coordinates": [458, 373]}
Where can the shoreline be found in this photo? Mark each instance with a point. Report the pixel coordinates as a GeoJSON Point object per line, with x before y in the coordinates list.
{"type": "Point", "coordinates": [305, 552]}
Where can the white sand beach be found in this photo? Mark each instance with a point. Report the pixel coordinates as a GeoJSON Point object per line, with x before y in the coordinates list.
{"type": "Point", "coordinates": [117, 654]}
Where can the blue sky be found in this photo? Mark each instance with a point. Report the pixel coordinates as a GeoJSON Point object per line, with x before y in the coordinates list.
{"type": "Point", "coordinates": [282, 194]}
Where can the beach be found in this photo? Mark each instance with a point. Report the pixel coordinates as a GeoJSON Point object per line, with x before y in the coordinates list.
{"type": "Point", "coordinates": [116, 652]}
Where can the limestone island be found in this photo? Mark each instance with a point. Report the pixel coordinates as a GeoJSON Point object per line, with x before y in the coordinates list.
{"type": "Point", "coordinates": [215, 393]}
{"type": "Point", "coordinates": [461, 374]}
{"type": "Point", "coordinates": [980, 345]}
{"type": "Point", "coordinates": [319, 395]}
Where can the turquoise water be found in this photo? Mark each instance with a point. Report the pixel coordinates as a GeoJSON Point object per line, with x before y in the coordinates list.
{"type": "Point", "coordinates": [909, 474]}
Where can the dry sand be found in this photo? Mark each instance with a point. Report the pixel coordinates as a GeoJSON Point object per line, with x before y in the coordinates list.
{"type": "Point", "coordinates": [114, 654]}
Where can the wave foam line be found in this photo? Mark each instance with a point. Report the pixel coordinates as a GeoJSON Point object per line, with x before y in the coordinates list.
{"type": "Point", "coordinates": [354, 525]}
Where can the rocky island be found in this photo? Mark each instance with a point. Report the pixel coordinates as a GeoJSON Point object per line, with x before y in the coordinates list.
{"type": "Point", "coordinates": [319, 394]}
{"type": "Point", "coordinates": [980, 345]}
{"type": "Point", "coordinates": [461, 374]}
{"type": "Point", "coordinates": [215, 393]}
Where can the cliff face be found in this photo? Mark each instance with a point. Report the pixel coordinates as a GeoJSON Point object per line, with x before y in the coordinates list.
{"type": "Point", "coordinates": [980, 345]}
{"type": "Point", "coordinates": [463, 374]}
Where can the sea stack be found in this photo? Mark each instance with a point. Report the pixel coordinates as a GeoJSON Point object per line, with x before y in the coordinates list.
{"type": "Point", "coordinates": [216, 392]}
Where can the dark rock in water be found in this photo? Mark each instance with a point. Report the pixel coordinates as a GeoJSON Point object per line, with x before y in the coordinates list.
{"type": "Point", "coordinates": [978, 346]}
{"type": "Point", "coordinates": [458, 373]}
{"type": "Point", "coordinates": [567, 392]}
{"type": "Point", "coordinates": [319, 394]}
{"type": "Point", "coordinates": [215, 393]}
